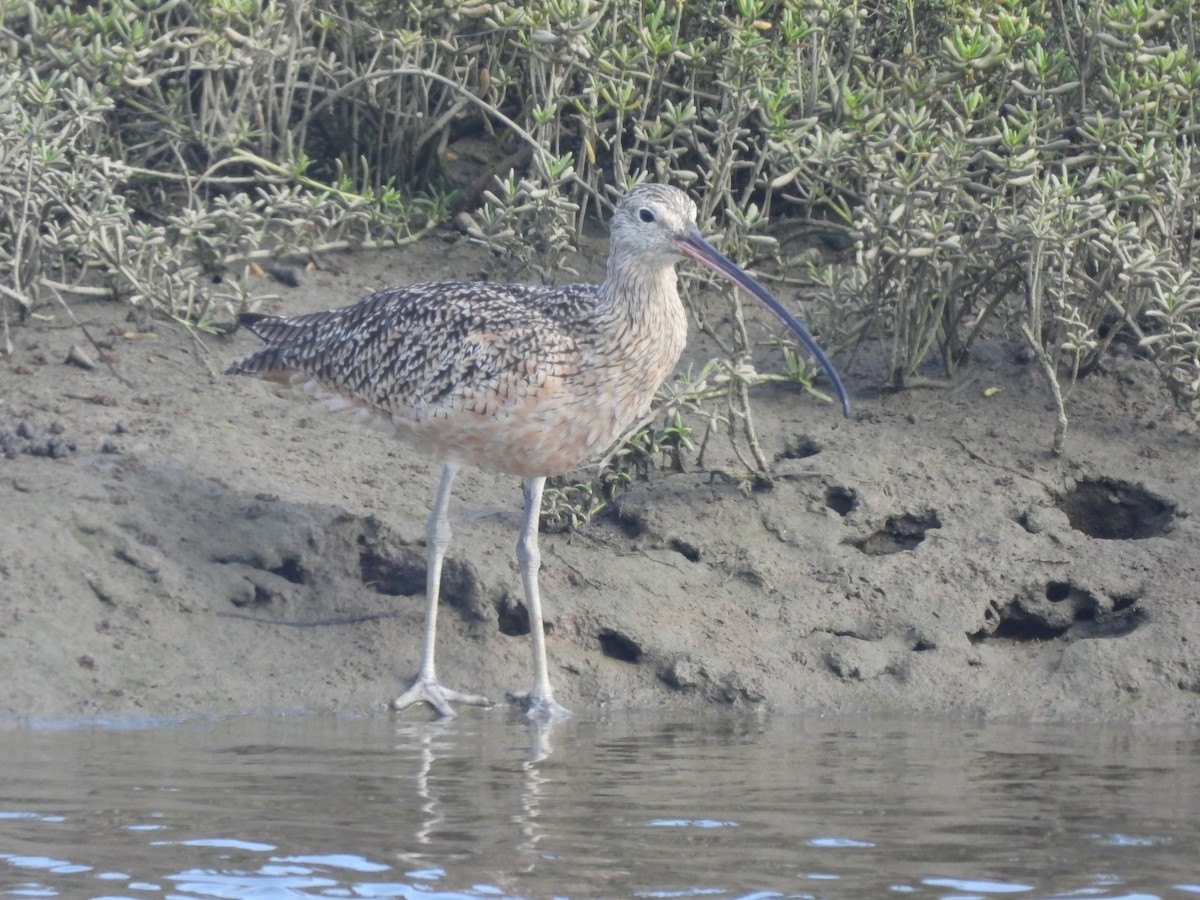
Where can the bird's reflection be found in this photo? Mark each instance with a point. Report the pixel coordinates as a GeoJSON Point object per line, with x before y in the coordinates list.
{"type": "Point", "coordinates": [540, 746]}
{"type": "Point", "coordinates": [426, 735]}
{"type": "Point", "coordinates": [451, 790]}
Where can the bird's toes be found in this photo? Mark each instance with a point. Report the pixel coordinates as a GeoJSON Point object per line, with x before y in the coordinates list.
{"type": "Point", "coordinates": [467, 699]}
{"type": "Point", "coordinates": [438, 697]}
{"type": "Point", "coordinates": [537, 708]}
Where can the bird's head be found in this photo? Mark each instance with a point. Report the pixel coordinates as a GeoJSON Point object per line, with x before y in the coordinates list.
{"type": "Point", "coordinates": [649, 223]}
{"type": "Point", "coordinates": [655, 225]}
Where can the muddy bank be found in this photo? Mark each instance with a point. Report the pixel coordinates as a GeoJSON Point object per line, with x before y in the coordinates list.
{"type": "Point", "coordinates": [193, 544]}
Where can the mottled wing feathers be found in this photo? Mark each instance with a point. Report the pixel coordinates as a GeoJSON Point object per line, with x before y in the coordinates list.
{"type": "Point", "coordinates": [425, 348]}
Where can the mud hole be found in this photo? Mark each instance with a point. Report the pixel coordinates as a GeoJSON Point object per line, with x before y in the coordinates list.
{"type": "Point", "coordinates": [198, 545]}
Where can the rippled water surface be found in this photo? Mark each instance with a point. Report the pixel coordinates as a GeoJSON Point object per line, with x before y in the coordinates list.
{"type": "Point", "coordinates": [645, 805]}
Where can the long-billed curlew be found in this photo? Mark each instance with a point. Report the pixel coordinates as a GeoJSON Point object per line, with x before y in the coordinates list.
{"type": "Point", "coordinates": [523, 380]}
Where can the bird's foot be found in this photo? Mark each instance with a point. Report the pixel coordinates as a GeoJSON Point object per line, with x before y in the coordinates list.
{"type": "Point", "coordinates": [440, 698]}
{"type": "Point", "coordinates": [537, 708]}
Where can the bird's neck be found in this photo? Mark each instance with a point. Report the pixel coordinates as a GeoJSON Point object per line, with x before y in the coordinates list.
{"type": "Point", "coordinates": [643, 297]}
{"type": "Point", "coordinates": [644, 324]}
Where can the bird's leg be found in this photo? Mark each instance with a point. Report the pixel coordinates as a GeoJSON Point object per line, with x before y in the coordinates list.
{"type": "Point", "coordinates": [539, 703]}
{"type": "Point", "coordinates": [437, 536]}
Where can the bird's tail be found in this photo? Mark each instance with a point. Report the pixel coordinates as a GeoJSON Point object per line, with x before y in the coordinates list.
{"type": "Point", "coordinates": [249, 320]}
{"type": "Point", "coordinates": [270, 362]}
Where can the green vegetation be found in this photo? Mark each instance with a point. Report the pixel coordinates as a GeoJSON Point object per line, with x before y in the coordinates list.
{"type": "Point", "coordinates": [936, 170]}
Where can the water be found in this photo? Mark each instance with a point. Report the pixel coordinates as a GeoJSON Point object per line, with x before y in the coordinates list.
{"type": "Point", "coordinates": [644, 805]}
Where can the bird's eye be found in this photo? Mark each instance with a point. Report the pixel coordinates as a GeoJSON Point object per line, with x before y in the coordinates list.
{"type": "Point", "coordinates": [646, 215]}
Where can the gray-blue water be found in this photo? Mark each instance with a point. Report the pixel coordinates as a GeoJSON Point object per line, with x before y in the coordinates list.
{"type": "Point", "coordinates": [645, 805]}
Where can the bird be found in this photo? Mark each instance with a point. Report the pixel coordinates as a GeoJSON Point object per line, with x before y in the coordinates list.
{"type": "Point", "coordinates": [523, 380]}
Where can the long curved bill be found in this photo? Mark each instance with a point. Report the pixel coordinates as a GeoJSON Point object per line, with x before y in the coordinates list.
{"type": "Point", "coordinates": [697, 248]}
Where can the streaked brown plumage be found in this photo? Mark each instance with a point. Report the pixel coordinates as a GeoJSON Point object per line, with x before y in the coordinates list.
{"type": "Point", "coordinates": [523, 380]}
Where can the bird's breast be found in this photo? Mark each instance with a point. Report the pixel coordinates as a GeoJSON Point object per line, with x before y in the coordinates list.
{"type": "Point", "coordinates": [545, 417]}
